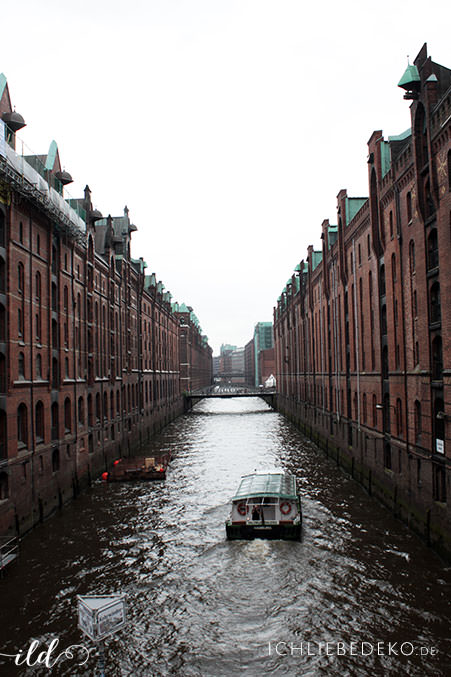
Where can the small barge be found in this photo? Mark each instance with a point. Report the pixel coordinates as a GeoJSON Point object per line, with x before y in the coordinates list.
{"type": "Point", "coordinates": [138, 468]}
{"type": "Point", "coordinates": [266, 506]}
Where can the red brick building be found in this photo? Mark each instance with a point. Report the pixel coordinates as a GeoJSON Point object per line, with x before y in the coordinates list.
{"type": "Point", "coordinates": [196, 356]}
{"type": "Point", "coordinates": [266, 364]}
{"type": "Point", "coordinates": [89, 344]}
{"type": "Point", "coordinates": [362, 332]}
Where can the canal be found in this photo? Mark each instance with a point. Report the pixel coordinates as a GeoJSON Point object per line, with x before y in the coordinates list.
{"type": "Point", "coordinates": [359, 595]}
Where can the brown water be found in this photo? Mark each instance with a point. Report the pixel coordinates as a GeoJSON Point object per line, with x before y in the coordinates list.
{"type": "Point", "coordinates": [201, 605]}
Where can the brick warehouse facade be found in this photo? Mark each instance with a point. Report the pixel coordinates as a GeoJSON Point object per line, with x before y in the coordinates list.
{"type": "Point", "coordinates": [89, 344]}
{"type": "Point", "coordinates": [363, 329]}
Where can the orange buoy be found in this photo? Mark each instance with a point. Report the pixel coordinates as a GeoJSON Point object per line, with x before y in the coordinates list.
{"type": "Point", "coordinates": [118, 461]}
{"type": "Point", "coordinates": [105, 476]}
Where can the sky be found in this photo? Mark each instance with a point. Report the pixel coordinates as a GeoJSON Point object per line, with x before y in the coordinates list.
{"type": "Point", "coordinates": [227, 127]}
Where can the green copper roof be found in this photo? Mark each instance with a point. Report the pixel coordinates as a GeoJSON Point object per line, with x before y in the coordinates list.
{"type": "Point", "coordinates": [401, 137]}
{"type": "Point", "coordinates": [51, 156]}
{"type": "Point", "coordinates": [317, 257]}
{"type": "Point", "coordinates": [183, 308]}
{"type": "Point", "coordinates": [3, 82]}
{"type": "Point", "coordinates": [410, 76]}
{"type": "Point", "coordinates": [353, 205]}
{"type": "Point", "coordinates": [385, 157]}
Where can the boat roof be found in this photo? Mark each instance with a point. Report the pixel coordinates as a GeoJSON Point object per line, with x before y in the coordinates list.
{"type": "Point", "coordinates": [268, 484]}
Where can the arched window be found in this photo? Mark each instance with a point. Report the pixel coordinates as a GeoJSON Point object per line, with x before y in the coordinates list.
{"type": "Point", "coordinates": [98, 412]}
{"type": "Point", "coordinates": [417, 420]}
{"type": "Point", "coordinates": [393, 268]}
{"type": "Point", "coordinates": [22, 425]}
{"type": "Point", "coordinates": [39, 421]}
{"type": "Point", "coordinates": [435, 303]}
{"type": "Point", "coordinates": [390, 219]}
{"type": "Point", "coordinates": [105, 406]}
{"type": "Point", "coordinates": [374, 407]}
{"type": "Point", "coordinates": [67, 415]}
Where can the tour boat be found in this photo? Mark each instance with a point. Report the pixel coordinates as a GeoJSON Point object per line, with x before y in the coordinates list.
{"type": "Point", "coordinates": [266, 506]}
{"type": "Point", "coordinates": [138, 468]}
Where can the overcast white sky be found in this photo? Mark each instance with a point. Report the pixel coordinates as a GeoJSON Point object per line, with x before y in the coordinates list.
{"type": "Point", "coordinates": [226, 126]}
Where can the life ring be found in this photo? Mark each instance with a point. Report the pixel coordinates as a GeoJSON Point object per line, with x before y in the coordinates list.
{"type": "Point", "coordinates": [242, 509]}
{"type": "Point", "coordinates": [285, 508]}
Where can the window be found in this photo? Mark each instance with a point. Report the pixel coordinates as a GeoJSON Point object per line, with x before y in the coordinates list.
{"type": "Point", "coordinates": [37, 287]}
{"type": "Point", "coordinates": [390, 219]}
{"type": "Point", "coordinates": [21, 366]}
{"type": "Point", "coordinates": [20, 278]}
{"type": "Point", "coordinates": [409, 207]}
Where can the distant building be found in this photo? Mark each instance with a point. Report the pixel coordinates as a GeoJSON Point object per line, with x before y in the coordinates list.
{"type": "Point", "coordinates": [263, 340]}
{"type": "Point", "coordinates": [249, 363]}
{"type": "Point", "coordinates": [231, 365]}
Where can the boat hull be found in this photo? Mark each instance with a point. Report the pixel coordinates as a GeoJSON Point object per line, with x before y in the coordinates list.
{"type": "Point", "coordinates": [286, 532]}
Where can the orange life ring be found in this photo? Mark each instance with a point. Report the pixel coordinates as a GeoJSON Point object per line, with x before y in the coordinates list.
{"type": "Point", "coordinates": [242, 508]}
{"type": "Point", "coordinates": [285, 508]}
